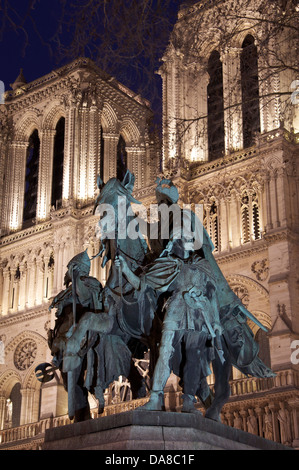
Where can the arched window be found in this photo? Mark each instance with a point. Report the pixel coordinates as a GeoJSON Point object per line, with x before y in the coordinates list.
{"type": "Point", "coordinates": [102, 143]}
{"type": "Point", "coordinates": [256, 217]}
{"type": "Point", "coordinates": [215, 107]}
{"type": "Point", "coordinates": [57, 176]}
{"type": "Point", "coordinates": [245, 216]}
{"type": "Point", "coordinates": [13, 407]}
{"type": "Point", "coordinates": [250, 217]}
{"type": "Point", "coordinates": [121, 165]}
{"type": "Point", "coordinates": [214, 225]}
{"type": "Point", "coordinates": [250, 90]}
{"type": "Point", "coordinates": [31, 179]}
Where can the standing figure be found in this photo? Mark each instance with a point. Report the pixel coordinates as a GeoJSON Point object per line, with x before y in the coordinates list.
{"type": "Point", "coordinates": [252, 425]}
{"type": "Point", "coordinates": [285, 424]}
{"type": "Point", "coordinates": [82, 296]}
{"type": "Point", "coordinates": [268, 424]}
{"type": "Point", "coordinates": [191, 326]}
{"type": "Point", "coordinates": [238, 422]}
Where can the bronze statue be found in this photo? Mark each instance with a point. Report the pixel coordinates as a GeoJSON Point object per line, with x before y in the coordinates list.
{"type": "Point", "coordinates": [167, 296]}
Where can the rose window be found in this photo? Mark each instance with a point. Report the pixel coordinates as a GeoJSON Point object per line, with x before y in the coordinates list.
{"type": "Point", "coordinates": [25, 354]}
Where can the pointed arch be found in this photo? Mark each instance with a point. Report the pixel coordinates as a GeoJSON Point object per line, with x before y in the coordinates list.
{"type": "Point", "coordinates": [250, 90]}
{"type": "Point", "coordinates": [216, 145]}
{"type": "Point", "coordinates": [129, 131]}
{"type": "Point", "coordinates": [109, 119]}
{"type": "Point", "coordinates": [58, 160]}
{"type": "Point", "coordinates": [52, 115]}
{"type": "Point", "coordinates": [26, 125]}
{"type": "Point", "coordinates": [8, 380]}
{"type": "Point", "coordinates": [252, 286]}
{"type": "Point", "coordinates": [31, 178]}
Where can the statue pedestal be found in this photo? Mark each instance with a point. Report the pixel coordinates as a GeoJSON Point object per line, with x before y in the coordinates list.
{"type": "Point", "coordinates": [153, 430]}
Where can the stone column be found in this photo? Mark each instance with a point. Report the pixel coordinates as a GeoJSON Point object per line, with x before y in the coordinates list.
{"type": "Point", "coordinates": [110, 155]}
{"type": "Point", "coordinates": [6, 289]}
{"type": "Point", "coordinates": [92, 152]}
{"type": "Point", "coordinates": [229, 226]}
{"type": "Point", "coordinates": [136, 164]}
{"type": "Point", "coordinates": [14, 292]}
{"type": "Point", "coordinates": [45, 172]}
{"type": "Point", "coordinates": [268, 224]}
{"type": "Point", "coordinates": [24, 406]}
{"type": "Point", "coordinates": [45, 287]}
{"type": "Point", "coordinates": [232, 97]}
{"type": "Point", "coordinates": [83, 125]}
{"type": "Point", "coordinates": [31, 292]}
{"type": "Point", "coordinates": [15, 196]}
{"type": "Point", "coordinates": [58, 267]}
{"type": "Point", "coordinates": [170, 109]}
{"type": "Point", "coordinates": [70, 149]}
{"type": "Point", "coordinates": [261, 211]}
{"type": "Point", "coordinates": [27, 405]}
{"type": "Point", "coordinates": [235, 220]}
{"type": "Point", "coordinates": [2, 411]}
{"type": "Point", "coordinates": [22, 298]}
{"type": "Point", "coordinates": [40, 271]}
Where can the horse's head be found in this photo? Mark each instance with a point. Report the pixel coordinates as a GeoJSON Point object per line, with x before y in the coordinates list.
{"type": "Point", "coordinates": [113, 189]}
{"type": "Point", "coordinates": [113, 205]}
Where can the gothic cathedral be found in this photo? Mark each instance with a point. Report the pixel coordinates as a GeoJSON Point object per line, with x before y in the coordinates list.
{"type": "Point", "coordinates": [230, 143]}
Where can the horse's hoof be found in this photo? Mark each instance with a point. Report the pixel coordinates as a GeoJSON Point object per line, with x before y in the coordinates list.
{"type": "Point", "coordinates": [193, 410]}
{"type": "Point", "coordinates": [155, 403]}
{"type": "Point", "coordinates": [213, 416]}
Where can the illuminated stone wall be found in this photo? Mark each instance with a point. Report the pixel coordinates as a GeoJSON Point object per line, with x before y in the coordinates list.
{"type": "Point", "coordinates": [97, 110]}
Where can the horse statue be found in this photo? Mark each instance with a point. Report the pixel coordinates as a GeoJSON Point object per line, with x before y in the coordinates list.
{"type": "Point", "coordinates": [99, 330]}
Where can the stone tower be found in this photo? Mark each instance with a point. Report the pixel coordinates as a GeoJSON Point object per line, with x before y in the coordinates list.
{"type": "Point", "coordinates": [230, 143]}
{"type": "Point", "coordinates": [230, 140]}
{"type": "Point", "coordinates": [57, 134]}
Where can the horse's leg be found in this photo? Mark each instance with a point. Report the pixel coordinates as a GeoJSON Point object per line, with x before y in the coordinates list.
{"type": "Point", "coordinates": [222, 387]}
{"type": "Point", "coordinates": [98, 322]}
{"type": "Point", "coordinates": [161, 373]}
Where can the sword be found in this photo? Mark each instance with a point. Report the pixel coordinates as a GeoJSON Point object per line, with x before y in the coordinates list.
{"type": "Point", "coordinates": [215, 337]}
{"type": "Point", "coordinates": [251, 317]}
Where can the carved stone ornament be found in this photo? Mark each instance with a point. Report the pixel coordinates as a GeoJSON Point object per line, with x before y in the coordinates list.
{"type": "Point", "coordinates": [260, 269]}
{"type": "Point", "coordinates": [25, 354]}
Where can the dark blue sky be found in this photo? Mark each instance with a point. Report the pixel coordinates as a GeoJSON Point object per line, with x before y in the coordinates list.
{"type": "Point", "coordinates": [25, 36]}
{"type": "Point", "coordinates": [22, 47]}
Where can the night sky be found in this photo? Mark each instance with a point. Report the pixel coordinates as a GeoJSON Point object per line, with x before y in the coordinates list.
{"type": "Point", "coordinates": [25, 40]}
{"type": "Point", "coordinates": [19, 51]}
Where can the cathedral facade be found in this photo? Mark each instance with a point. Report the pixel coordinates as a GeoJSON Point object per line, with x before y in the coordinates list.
{"type": "Point", "coordinates": [230, 144]}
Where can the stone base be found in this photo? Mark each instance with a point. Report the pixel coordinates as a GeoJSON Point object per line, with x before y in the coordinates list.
{"type": "Point", "coordinates": [153, 430]}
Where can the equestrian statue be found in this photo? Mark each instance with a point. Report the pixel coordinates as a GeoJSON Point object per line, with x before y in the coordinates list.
{"type": "Point", "coordinates": [164, 295]}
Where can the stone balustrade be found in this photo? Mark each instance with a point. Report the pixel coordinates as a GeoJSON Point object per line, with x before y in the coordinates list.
{"type": "Point", "coordinates": [236, 413]}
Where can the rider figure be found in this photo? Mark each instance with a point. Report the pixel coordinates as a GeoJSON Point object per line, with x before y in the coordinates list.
{"type": "Point", "coordinates": [191, 323]}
